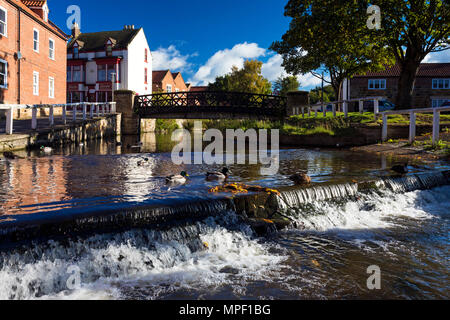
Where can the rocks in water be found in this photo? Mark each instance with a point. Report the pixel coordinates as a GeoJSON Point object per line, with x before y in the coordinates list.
{"type": "Point", "coordinates": [301, 178]}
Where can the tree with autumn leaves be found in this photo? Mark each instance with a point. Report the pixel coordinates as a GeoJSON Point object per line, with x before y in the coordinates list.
{"type": "Point", "coordinates": [334, 36]}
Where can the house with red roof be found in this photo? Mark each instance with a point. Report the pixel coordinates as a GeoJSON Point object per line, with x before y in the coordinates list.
{"type": "Point", "coordinates": [167, 81]}
{"type": "Point", "coordinates": [432, 87]}
{"type": "Point", "coordinates": [32, 54]}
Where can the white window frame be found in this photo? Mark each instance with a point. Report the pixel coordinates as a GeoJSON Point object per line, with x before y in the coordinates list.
{"type": "Point", "coordinates": [5, 34]}
{"type": "Point", "coordinates": [169, 88]}
{"type": "Point", "coordinates": [51, 87]}
{"type": "Point", "coordinates": [436, 102]}
{"type": "Point", "coordinates": [51, 52]}
{"type": "Point", "coordinates": [445, 84]}
{"type": "Point", "coordinates": [381, 82]}
{"type": "Point", "coordinates": [4, 86]}
{"type": "Point", "coordinates": [35, 84]}
{"type": "Point", "coordinates": [36, 41]}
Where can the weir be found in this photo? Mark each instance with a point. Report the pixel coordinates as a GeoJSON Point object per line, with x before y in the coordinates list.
{"type": "Point", "coordinates": [262, 211]}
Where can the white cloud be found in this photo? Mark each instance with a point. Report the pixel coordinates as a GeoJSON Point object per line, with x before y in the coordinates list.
{"type": "Point", "coordinates": [272, 69]}
{"type": "Point", "coordinates": [434, 57]}
{"type": "Point", "coordinates": [222, 62]}
{"type": "Point", "coordinates": [170, 58]}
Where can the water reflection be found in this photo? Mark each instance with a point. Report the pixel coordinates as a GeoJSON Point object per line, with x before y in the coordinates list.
{"type": "Point", "coordinates": [102, 175]}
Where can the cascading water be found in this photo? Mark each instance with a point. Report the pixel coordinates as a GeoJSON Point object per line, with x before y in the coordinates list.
{"type": "Point", "coordinates": [184, 257]}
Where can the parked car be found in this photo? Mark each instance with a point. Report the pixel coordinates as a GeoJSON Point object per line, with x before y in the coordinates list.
{"type": "Point", "coordinates": [386, 106]}
{"type": "Point", "coordinates": [446, 104]}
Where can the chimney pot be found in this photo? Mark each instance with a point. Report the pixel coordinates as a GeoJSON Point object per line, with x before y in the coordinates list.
{"type": "Point", "coordinates": [75, 30]}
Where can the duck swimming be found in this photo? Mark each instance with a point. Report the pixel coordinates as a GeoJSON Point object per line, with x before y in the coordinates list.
{"type": "Point", "coordinates": [177, 179]}
{"type": "Point", "coordinates": [218, 176]}
{"type": "Point", "coordinates": [301, 178]}
{"type": "Point", "coordinates": [401, 169]}
{"type": "Point", "coordinates": [46, 149]}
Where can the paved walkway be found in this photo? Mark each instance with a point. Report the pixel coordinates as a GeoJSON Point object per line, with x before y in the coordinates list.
{"type": "Point", "coordinates": [24, 126]}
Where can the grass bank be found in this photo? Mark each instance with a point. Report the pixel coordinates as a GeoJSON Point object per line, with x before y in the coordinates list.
{"type": "Point", "coordinates": [310, 125]}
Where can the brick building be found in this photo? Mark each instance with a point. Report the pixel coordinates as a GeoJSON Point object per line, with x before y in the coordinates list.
{"type": "Point", "coordinates": [166, 81]}
{"type": "Point", "coordinates": [100, 62]}
{"type": "Point", "coordinates": [432, 87]}
{"type": "Point", "coordinates": [32, 54]}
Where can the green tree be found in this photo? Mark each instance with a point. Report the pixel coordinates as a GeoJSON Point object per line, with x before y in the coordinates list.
{"type": "Point", "coordinates": [329, 35]}
{"type": "Point", "coordinates": [315, 95]}
{"type": "Point", "coordinates": [283, 85]}
{"type": "Point", "coordinates": [248, 79]}
{"type": "Point", "coordinates": [334, 36]}
{"type": "Point", "coordinates": [412, 29]}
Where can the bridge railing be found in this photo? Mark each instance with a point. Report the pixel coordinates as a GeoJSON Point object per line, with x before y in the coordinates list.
{"type": "Point", "coordinates": [412, 123]}
{"type": "Point", "coordinates": [322, 107]}
{"type": "Point", "coordinates": [83, 110]}
{"type": "Point", "coordinates": [210, 99]}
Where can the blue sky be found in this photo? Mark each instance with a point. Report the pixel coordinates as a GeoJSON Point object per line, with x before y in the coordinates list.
{"type": "Point", "coordinates": [200, 38]}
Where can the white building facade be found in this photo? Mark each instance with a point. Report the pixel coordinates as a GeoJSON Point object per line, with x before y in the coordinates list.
{"type": "Point", "coordinates": [102, 62]}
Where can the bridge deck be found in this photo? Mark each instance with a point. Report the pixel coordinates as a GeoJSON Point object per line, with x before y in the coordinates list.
{"type": "Point", "coordinates": [210, 105]}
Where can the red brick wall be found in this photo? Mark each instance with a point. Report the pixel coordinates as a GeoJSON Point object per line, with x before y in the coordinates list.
{"type": "Point", "coordinates": [180, 84]}
{"type": "Point", "coordinates": [32, 61]}
{"type": "Point", "coordinates": [422, 96]}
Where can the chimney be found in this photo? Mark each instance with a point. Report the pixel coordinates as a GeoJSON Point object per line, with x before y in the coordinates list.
{"type": "Point", "coordinates": [76, 30]}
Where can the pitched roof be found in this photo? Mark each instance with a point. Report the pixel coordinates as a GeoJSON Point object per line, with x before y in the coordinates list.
{"type": "Point", "coordinates": [34, 3]}
{"type": "Point", "coordinates": [96, 41]}
{"type": "Point", "coordinates": [175, 74]}
{"type": "Point", "coordinates": [50, 25]}
{"type": "Point", "coordinates": [159, 75]}
{"type": "Point", "coordinates": [425, 70]}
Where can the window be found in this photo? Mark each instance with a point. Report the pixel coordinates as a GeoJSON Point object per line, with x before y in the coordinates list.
{"type": "Point", "coordinates": [441, 83]}
{"type": "Point", "coordinates": [35, 83]}
{"type": "Point", "coordinates": [101, 72]}
{"type": "Point", "coordinates": [377, 84]}
{"type": "Point", "coordinates": [438, 102]}
{"type": "Point", "coordinates": [3, 22]}
{"type": "Point", "coordinates": [36, 40]}
{"type": "Point", "coordinates": [146, 55]}
{"type": "Point", "coordinates": [169, 88]}
{"type": "Point", "coordinates": [146, 75]}
{"type": "Point", "coordinates": [109, 50]}
{"type": "Point", "coordinates": [51, 87]}
{"type": "Point", "coordinates": [77, 73]}
{"type": "Point", "coordinates": [76, 52]}
{"type": "Point", "coordinates": [3, 74]}
{"type": "Point", "coordinates": [51, 49]}
{"type": "Point", "coordinates": [69, 73]}
{"type": "Point", "coordinates": [111, 69]}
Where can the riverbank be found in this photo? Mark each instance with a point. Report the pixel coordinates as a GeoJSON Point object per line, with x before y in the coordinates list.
{"type": "Point", "coordinates": [79, 132]}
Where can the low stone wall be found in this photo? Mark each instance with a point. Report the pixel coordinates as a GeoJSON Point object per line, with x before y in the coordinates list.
{"type": "Point", "coordinates": [365, 135]}
{"type": "Point", "coordinates": [110, 126]}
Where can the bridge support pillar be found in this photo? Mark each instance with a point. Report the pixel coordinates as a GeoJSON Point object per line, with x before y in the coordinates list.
{"type": "Point", "coordinates": [295, 101]}
{"type": "Point", "coordinates": [125, 106]}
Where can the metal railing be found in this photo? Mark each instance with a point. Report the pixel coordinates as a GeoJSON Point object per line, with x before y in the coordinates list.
{"type": "Point", "coordinates": [322, 107]}
{"type": "Point", "coordinates": [85, 110]}
{"type": "Point", "coordinates": [412, 122]}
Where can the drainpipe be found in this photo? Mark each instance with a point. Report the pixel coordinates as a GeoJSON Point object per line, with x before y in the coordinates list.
{"type": "Point", "coordinates": [18, 58]}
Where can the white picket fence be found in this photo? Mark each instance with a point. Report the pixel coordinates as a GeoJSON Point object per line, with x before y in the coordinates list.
{"type": "Point", "coordinates": [86, 110]}
{"type": "Point", "coordinates": [412, 123]}
{"type": "Point", "coordinates": [345, 103]}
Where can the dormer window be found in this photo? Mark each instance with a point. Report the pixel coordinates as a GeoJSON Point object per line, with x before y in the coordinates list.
{"type": "Point", "coordinates": [109, 47]}
{"type": "Point", "coordinates": [76, 51]}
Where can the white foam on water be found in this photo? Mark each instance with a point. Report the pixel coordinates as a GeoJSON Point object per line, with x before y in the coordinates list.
{"type": "Point", "coordinates": [143, 258]}
{"type": "Point", "coordinates": [376, 211]}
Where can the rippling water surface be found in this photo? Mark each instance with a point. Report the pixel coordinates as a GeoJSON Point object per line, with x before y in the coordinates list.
{"type": "Point", "coordinates": [406, 235]}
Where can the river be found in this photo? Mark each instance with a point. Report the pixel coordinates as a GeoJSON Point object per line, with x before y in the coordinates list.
{"type": "Point", "coordinates": [405, 234]}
